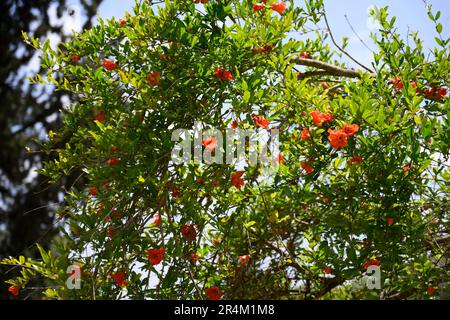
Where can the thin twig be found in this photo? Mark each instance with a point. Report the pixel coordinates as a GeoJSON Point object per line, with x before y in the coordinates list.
{"type": "Point", "coordinates": [339, 47]}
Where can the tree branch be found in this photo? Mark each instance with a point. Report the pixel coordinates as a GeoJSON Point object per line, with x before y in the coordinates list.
{"type": "Point", "coordinates": [326, 69]}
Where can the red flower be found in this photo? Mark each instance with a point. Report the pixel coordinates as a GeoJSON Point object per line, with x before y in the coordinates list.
{"type": "Point", "coordinates": [279, 7]}
{"type": "Point", "coordinates": [111, 231]}
{"type": "Point", "coordinates": [234, 124]}
{"type": "Point", "coordinates": [390, 221]}
{"type": "Point", "coordinates": [244, 259]}
{"type": "Point", "coordinates": [396, 82]}
{"type": "Point", "coordinates": [429, 93]}
{"type": "Point", "coordinates": [14, 290]}
{"type": "Point", "coordinates": [189, 233]}
{"type": "Point", "coordinates": [210, 143]}
{"type": "Point", "coordinates": [200, 180]}
{"type": "Point", "coordinates": [74, 58]}
{"type": "Point", "coordinates": [116, 214]}
{"type": "Point", "coordinates": [155, 256]}
{"type": "Point", "coordinates": [109, 65]}
{"type": "Point", "coordinates": [193, 257]}
{"type": "Point", "coordinates": [258, 6]}
{"type": "Point", "coordinates": [280, 158]}
{"type": "Point", "coordinates": [355, 159]}
{"type": "Point", "coordinates": [269, 47]}
{"type": "Point", "coordinates": [307, 167]}
{"type": "Point", "coordinates": [305, 134]}
{"type": "Point", "coordinates": [338, 138]}
{"type": "Point", "coordinates": [319, 118]}
{"type": "Point", "coordinates": [327, 270]}
{"type": "Point", "coordinates": [431, 290]}
{"type": "Point", "coordinates": [260, 121]}
{"type": "Point", "coordinates": [350, 129]}
{"type": "Point", "coordinates": [119, 278]}
{"type": "Point", "coordinates": [258, 50]}
{"type": "Point", "coordinates": [215, 184]}
{"type": "Point", "coordinates": [157, 218]}
{"type": "Point", "coordinates": [236, 179]}
{"type": "Point", "coordinates": [122, 22]}
{"type": "Point", "coordinates": [101, 207]}
{"type": "Point", "coordinates": [153, 78]}
{"type": "Point", "coordinates": [224, 74]}
{"type": "Point", "coordinates": [175, 192]}
{"type": "Point", "coordinates": [441, 93]}
{"type": "Point", "coordinates": [406, 168]}
{"type": "Point", "coordinates": [371, 262]}
{"type": "Point", "coordinates": [213, 293]}
{"type": "Point", "coordinates": [100, 117]}
{"type": "Point", "coordinates": [305, 55]}
{"type": "Point", "coordinates": [93, 191]}
{"type": "Point", "coordinates": [112, 161]}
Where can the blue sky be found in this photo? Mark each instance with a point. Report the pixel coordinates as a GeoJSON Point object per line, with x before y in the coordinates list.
{"type": "Point", "coordinates": [410, 14]}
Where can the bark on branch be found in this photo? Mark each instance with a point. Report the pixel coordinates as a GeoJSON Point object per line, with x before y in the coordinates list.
{"type": "Point", "coordinates": [326, 69]}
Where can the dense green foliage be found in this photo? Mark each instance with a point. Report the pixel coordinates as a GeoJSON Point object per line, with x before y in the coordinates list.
{"type": "Point", "coordinates": [366, 184]}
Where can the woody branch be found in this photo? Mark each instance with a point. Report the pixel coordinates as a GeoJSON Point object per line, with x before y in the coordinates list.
{"type": "Point", "coordinates": [326, 69]}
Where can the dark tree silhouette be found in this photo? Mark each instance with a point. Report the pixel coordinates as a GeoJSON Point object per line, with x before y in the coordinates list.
{"type": "Point", "coordinates": [27, 114]}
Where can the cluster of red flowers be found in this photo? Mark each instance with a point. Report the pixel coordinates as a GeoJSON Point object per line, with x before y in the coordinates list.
{"type": "Point", "coordinates": [113, 161]}
{"type": "Point", "coordinates": [260, 121]}
{"type": "Point", "coordinates": [305, 166]}
{"type": "Point", "coordinates": [224, 74]}
{"type": "Point", "coordinates": [258, 6]}
{"type": "Point", "coordinates": [213, 293]}
{"type": "Point", "coordinates": [320, 118]}
{"type": "Point", "coordinates": [153, 78]}
{"type": "Point", "coordinates": [93, 191]}
{"type": "Point", "coordinates": [355, 159]}
{"type": "Point", "coordinates": [279, 7]}
{"type": "Point", "coordinates": [155, 256]}
{"type": "Point", "coordinates": [14, 290]}
{"type": "Point", "coordinates": [189, 232]}
{"type": "Point", "coordinates": [305, 55]}
{"type": "Point", "coordinates": [431, 92]}
{"type": "Point", "coordinates": [109, 65]}
{"type": "Point", "coordinates": [338, 138]}
{"type": "Point", "coordinates": [236, 179]}
{"type": "Point", "coordinates": [244, 259]}
{"type": "Point", "coordinates": [200, 1]}
{"type": "Point", "coordinates": [435, 94]}
{"type": "Point", "coordinates": [304, 135]}
{"type": "Point", "coordinates": [396, 82]}
{"type": "Point", "coordinates": [119, 278]}
{"type": "Point", "coordinates": [266, 48]}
